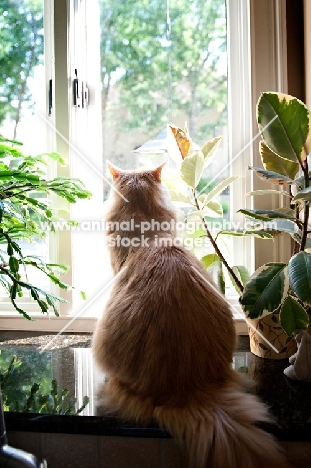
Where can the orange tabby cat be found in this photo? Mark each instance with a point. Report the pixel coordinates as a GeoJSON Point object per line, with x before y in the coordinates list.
{"type": "Point", "coordinates": [166, 338]}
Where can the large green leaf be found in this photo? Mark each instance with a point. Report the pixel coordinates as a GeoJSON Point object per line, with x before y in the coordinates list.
{"type": "Point", "coordinates": [216, 271]}
{"type": "Point", "coordinates": [213, 205]}
{"type": "Point", "coordinates": [267, 192]}
{"type": "Point", "coordinates": [280, 213]}
{"type": "Point", "coordinates": [304, 195]}
{"type": "Point", "coordinates": [265, 290]}
{"type": "Point", "coordinates": [209, 259]}
{"type": "Point", "coordinates": [215, 208]}
{"type": "Point", "coordinates": [242, 274]}
{"type": "Point", "coordinates": [271, 176]}
{"type": "Point", "coordinates": [273, 162]}
{"type": "Point", "coordinates": [284, 122]}
{"type": "Point", "coordinates": [209, 150]}
{"type": "Point", "coordinates": [243, 232]}
{"type": "Point", "coordinates": [299, 272]}
{"type": "Point", "coordinates": [293, 316]}
{"type": "Point", "coordinates": [191, 169]}
{"type": "Point", "coordinates": [281, 225]}
{"type": "Point", "coordinates": [180, 197]}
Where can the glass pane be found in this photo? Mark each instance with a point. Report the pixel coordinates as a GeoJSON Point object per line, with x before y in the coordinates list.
{"type": "Point", "coordinates": [31, 360]}
{"type": "Point", "coordinates": [23, 93]}
{"type": "Point", "coordinates": [162, 63]}
{"type": "Point", "coordinates": [166, 62]}
{"type": "Point", "coordinates": [156, 70]}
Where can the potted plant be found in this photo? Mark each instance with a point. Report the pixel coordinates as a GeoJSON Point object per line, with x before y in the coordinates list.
{"type": "Point", "coordinates": [282, 291]}
{"type": "Point", "coordinates": [25, 214]}
{"type": "Point", "coordinates": [277, 292]}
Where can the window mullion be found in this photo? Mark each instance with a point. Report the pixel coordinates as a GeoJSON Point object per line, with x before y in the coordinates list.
{"type": "Point", "coordinates": [62, 239]}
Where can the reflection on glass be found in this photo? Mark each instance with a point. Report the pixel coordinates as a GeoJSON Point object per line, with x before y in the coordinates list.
{"type": "Point", "coordinates": [73, 369]}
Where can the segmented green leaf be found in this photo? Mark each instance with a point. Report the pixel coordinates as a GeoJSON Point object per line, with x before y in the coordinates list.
{"type": "Point", "coordinates": [273, 162]}
{"type": "Point", "coordinates": [191, 169]}
{"type": "Point", "coordinates": [284, 122]}
{"type": "Point", "coordinates": [293, 316]}
{"type": "Point", "coordinates": [265, 290]}
{"type": "Point", "coordinates": [299, 272]}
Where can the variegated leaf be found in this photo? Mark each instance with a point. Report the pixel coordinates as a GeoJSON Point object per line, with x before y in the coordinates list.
{"type": "Point", "coordinates": [275, 163]}
{"type": "Point", "coordinates": [266, 290]}
{"type": "Point", "coordinates": [271, 176]}
{"type": "Point", "coordinates": [299, 272]}
{"type": "Point", "coordinates": [284, 122]}
{"type": "Point", "coordinates": [293, 316]}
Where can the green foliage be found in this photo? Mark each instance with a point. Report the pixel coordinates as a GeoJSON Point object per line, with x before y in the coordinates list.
{"type": "Point", "coordinates": [200, 194]}
{"type": "Point", "coordinates": [293, 316]}
{"type": "Point", "coordinates": [192, 168]}
{"type": "Point", "coordinates": [21, 50]}
{"type": "Point", "coordinates": [265, 290]}
{"type": "Point", "coordinates": [26, 214]}
{"type": "Point", "coordinates": [285, 125]}
{"type": "Point", "coordinates": [275, 287]}
{"type": "Point", "coordinates": [284, 122]}
{"type": "Point", "coordinates": [135, 46]}
{"type": "Point", "coordinates": [21, 396]}
{"type": "Point", "coordinates": [299, 273]}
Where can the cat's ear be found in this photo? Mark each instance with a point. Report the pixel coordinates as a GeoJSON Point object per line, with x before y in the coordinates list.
{"type": "Point", "coordinates": [114, 170]}
{"type": "Point", "coordinates": [157, 172]}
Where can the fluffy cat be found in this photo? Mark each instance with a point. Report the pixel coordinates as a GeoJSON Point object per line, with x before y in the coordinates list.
{"type": "Point", "coordinates": [167, 337]}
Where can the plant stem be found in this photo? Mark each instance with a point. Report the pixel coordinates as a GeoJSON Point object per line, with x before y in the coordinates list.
{"type": "Point", "coordinates": [216, 248]}
{"type": "Point", "coordinates": [308, 309]}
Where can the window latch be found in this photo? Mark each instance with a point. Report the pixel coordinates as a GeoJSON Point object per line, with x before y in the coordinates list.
{"type": "Point", "coordinates": [80, 92]}
{"type": "Point", "coordinates": [50, 97]}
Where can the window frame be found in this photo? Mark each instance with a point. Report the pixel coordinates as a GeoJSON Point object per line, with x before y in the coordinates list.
{"type": "Point", "coordinates": [257, 62]}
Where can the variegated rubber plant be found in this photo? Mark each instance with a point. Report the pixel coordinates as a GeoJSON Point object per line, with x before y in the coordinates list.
{"type": "Point", "coordinates": [284, 122]}
{"type": "Point", "coordinates": [204, 203]}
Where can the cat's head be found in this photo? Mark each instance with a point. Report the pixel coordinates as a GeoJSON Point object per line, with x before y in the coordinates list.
{"type": "Point", "coordinates": [140, 189]}
{"type": "Point", "coordinates": [116, 172]}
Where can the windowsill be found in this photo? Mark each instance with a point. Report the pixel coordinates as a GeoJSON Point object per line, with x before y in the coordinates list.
{"type": "Point", "coordinates": [41, 323]}
{"type": "Point", "coordinates": [13, 321]}
{"type": "Point", "coordinates": [71, 365]}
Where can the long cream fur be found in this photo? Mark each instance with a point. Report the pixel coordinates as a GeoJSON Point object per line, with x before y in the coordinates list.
{"type": "Point", "coordinates": [166, 340]}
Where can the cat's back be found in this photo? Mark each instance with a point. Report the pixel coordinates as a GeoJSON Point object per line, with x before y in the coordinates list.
{"type": "Point", "coordinates": [166, 318]}
{"type": "Point", "coordinates": [166, 329]}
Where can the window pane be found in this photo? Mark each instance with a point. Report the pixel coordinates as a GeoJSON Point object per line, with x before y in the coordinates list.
{"type": "Point", "coordinates": [166, 62]}
{"type": "Point", "coordinates": [22, 92]}
{"type": "Point", "coordinates": [162, 64]}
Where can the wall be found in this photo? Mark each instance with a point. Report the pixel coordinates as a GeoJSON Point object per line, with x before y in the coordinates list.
{"type": "Point", "coordinates": [86, 451]}
{"type": "Point", "coordinates": [295, 48]}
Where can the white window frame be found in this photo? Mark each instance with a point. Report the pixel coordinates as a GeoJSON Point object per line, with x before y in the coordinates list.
{"type": "Point", "coordinates": [257, 62]}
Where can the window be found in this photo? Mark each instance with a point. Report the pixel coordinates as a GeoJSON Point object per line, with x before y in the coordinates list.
{"type": "Point", "coordinates": [22, 91]}
{"type": "Point", "coordinates": [153, 96]}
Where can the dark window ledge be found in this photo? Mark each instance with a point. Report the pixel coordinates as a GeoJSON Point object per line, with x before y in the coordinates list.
{"type": "Point", "coordinates": [95, 425]}
{"type": "Point", "coordinates": [289, 401]}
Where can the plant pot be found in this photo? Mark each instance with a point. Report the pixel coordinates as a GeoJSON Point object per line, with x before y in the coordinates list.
{"type": "Point", "coordinates": [268, 330]}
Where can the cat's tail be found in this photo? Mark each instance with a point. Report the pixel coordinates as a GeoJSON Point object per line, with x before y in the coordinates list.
{"type": "Point", "coordinates": [219, 430]}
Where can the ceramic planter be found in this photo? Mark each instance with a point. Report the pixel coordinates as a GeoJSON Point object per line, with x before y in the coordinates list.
{"type": "Point", "coordinates": [268, 330]}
